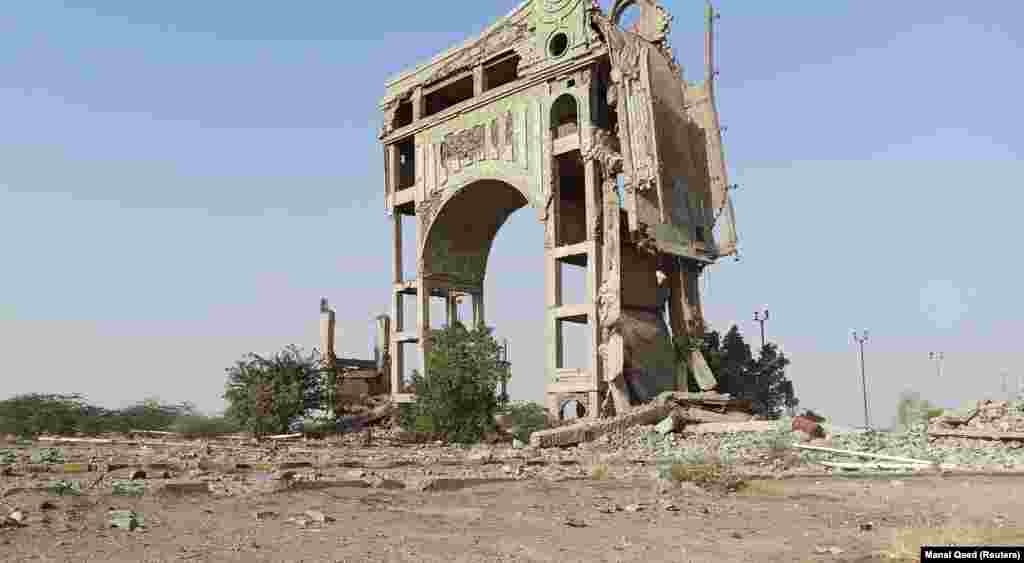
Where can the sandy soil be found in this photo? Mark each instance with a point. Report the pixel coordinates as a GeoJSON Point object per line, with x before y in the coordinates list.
{"type": "Point", "coordinates": [625, 518]}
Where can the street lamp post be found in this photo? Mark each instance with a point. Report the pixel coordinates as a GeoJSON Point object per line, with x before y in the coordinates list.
{"type": "Point", "coordinates": [937, 357]}
{"type": "Point", "coordinates": [504, 367]}
{"type": "Point", "coordinates": [860, 339]}
{"type": "Point", "coordinates": [761, 317]}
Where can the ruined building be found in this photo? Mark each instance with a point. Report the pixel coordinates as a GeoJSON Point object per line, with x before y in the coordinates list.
{"type": "Point", "coordinates": [557, 107]}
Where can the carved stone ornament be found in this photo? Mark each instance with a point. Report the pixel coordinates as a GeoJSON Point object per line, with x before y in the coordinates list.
{"type": "Point", "coordinates": [508, 34]}
{"type": "Point", "coordinates": [601, 147]}
{"type": "Point", "coordinates": [643, 239]}
{"type": "Point", "coordinates": [389, 119]}
{"type": "Point", "coordinates": [466, 144]}
{"type": "Point", "coordinates": [607, 305]}
{"type": "Point", "coordinates": [427, 210]}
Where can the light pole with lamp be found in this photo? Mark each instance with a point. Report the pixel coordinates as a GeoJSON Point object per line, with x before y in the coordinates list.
{"type": "Point", "coordinates": [937, 357]}
{"type": "Point", "coordinates": [761, 317]}
{"type": "Point", "coordinates": [861, 338]}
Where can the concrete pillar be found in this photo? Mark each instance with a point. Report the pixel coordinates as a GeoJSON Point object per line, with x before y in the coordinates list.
{"type": "Point", "coordinates": [327, 334]}
{"type": "Point", "coordinates": [417, 103]}
{"type": "Point", "coordinates": [452, 301]}
{"type": "Point", "coordinates": [423, 320]}
{"type": "Point", "coordinates": [479, 80]}
{"type": "Point", "coordinates": [593, 219]}
{"type": "Point", "coordinates": [479, 319]}
{"type": "Point", "coordinates": [614, 346]}
{"type": "Point", "coordinates": [397, 358]}
{"type": "Point", "coordinates": [396, 246]}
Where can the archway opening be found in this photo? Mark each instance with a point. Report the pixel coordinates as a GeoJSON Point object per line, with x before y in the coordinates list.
{"type": "Point", "coordinates": [571, 409]}
{"type": "Point", "coordinates": [564, 116]}
{"type": "Point", "coordinates": [478, 238]}
{"type": "Point", "coordinates": [630, 18]}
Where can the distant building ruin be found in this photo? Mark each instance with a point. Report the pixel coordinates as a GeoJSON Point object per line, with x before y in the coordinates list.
{"type": "Point", "coordinates": [557, 107]}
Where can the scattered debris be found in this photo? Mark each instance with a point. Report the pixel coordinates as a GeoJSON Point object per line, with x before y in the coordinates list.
{"type": "Point", "coordinates": [265, 515]}
{"type": "Point", "coordinates": [834, 550]}
{"type": "Point", "coordinates": [125, 519]}
{"type": "Point", "coordinates": [48, 455]}
{"type": "Point", "coordinates": [670, 409]}
{"type": "Point", "coordinates": [864, 454]}
{"type": "Point", "coordinates": [976, 434]}
{"type": "Point", "coordinates": [732, 427]}
{"type": "Point", "coordinates": [63, 488]}
{"type": "Point", "coordinates": [809, 426]}
{"type": "Point", "coordinates": [575, 522]}
{"type": "Point", "coordinates": [318, 516]}
{"type": "Point", "coordinates": [875, 465]}
{"type": "Point", "coordinates": [129, 488]}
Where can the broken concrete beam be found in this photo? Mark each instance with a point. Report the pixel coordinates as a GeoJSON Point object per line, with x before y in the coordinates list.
{"type": "Point", "coordinates": [699, 415]}
{"type": "Point", "coordinates": [285, 436]}
{"type": "Point", "coordinates": [68, 440]}
{"type": "Point", "coordinates": [872, 465]}
{"type": "Point", "coordinates": [184, 488]}
{"type": "Point", "coordinates": [587, 431]}
{"type": "Point", "coordinates": [731, 427]}
{"type": "Point", "coordinates": [864, 454]}
{"type": "Point", "coordinates": [960, 416]}
{"type": "Point", "coordinates": [976, 434]}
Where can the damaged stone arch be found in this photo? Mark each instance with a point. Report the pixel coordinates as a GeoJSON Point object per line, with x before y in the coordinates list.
{"type": "Point", "coordinates": [565, 118]}
{"type": "Point", "coordinates": [459, 238]}
{"type": "Point", "coordinates": [646, 18]}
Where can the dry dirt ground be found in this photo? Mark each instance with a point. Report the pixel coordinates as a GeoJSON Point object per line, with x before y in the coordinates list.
{"type": "Point", "coordinates": [622, 517]}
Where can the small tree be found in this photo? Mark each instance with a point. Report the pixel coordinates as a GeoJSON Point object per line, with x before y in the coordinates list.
{"type": "Point", "coordinates": [772, 390]}
{"type": "Point", "coordinates": [459, 393]}
{"type": "Point", "coordinates": [42, 413]}
{"type": "Point", "coordinates": [269, 395]}
{"type": "Point", "coordinates": [735, 364]}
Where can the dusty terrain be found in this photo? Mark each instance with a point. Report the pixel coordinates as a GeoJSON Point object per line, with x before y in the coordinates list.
{"type": "Point", "coordinates": [223, 502]}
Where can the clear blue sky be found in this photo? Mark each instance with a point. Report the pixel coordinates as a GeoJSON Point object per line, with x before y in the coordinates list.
{"type": "Point", "coordinates": [181, 182]}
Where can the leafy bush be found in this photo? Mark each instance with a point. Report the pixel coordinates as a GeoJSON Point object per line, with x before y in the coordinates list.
{"type": "Point", "coordinates": [412, 419]}
{"type": "Point", "coordinates": [199, 425]}
{"type": "Point", "coordinates": [38, 413]}
{"type": "Point", "coordinates": [272, 395]}
{"type": "Point", "coordinates": [526, 418]}
{"type": "Point", "coordinates": [150, 414]}
{"type": "Point", "coordinates": [459, 397]}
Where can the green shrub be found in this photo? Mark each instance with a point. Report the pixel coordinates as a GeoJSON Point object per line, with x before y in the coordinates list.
{"type": "Point", "coordinates": [39, 413]}
{"type": "Point", "coordinates": [526, 418]}
{"type": "Point", "coordinates": [268, 395]}
{"type": "Point", "coordinates": [458, 399]}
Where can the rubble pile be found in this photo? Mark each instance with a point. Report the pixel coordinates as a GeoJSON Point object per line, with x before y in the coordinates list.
{"type": "Point", "coordinates": [984, 424]}
{"type": "Point", "coordinates": [982, 436]}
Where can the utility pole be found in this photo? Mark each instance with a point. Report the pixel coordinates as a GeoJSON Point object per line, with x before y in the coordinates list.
{"type": "Point", "coordinates": [761, 317]}
{"type": "Point", "coordinates": [937, 357]}
{"type": "Point", "coordinates": [1006, 389]}
{"type": "Point", "coordinates": [860, 339]}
